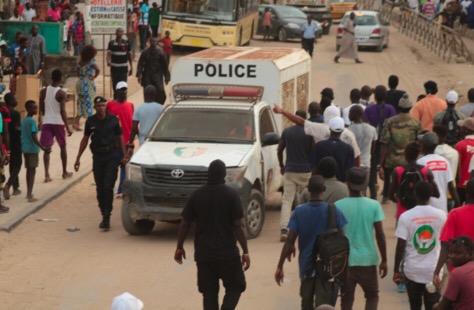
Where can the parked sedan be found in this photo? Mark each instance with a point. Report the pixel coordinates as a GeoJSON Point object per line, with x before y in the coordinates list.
{"type": "Point", "coordinates": [286, 22]}
{"type": "Point", "coordinates": [370, 30]}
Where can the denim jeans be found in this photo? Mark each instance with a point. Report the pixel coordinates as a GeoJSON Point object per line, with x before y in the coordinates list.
{"type": "Point", "coordinates": [233, 279]}
{"type": "Point", "coordinates": [417, 294]}
{"type": "Point", "coordinates": [366, 277]}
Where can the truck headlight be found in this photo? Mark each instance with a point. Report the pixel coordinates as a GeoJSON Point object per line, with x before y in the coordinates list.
{"type": "Point", "coordinates": [235, 175]}
{"type": "Point", "coordinates": [134, 172]}
{"type": "Point", "coordinates": [293, 25]}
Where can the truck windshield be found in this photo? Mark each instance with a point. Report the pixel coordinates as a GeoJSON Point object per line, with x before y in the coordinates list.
{"type": "Point", "coordinates": [203, 9]}
{"type": "Point", "coordinates": [205, 125]}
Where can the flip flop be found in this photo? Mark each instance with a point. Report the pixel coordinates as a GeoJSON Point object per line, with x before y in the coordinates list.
{"type": "Point", "coordinates": [67, 175]}
{"type": "Point", "coordinates": [4, 209]}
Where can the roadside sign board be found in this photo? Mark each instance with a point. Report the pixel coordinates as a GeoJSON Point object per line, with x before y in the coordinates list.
{"type": "Point", "coordinates": [105, 16]}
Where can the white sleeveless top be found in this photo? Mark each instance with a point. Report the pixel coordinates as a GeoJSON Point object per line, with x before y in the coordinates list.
{"type": "Point", "coordinates": [52, 107]}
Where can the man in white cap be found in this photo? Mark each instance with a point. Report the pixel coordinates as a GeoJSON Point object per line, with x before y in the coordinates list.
{"type": "Point", "coordinates": [124, 111]}
{"type": "Point", "coordinates": [127, 301]}
{"type": "Point", "coordinates": [321, 132]}
{"type": "Point", "coordinates": [449, 118]}
{"type": "Point", "coordinates": [334, 147]}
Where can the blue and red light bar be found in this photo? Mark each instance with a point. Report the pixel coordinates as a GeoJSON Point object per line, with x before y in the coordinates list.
{"type": "Point", "coordinates": [215, 91]}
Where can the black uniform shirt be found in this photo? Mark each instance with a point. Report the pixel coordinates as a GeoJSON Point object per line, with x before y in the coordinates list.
{"type": "Point", "coordinates": [103, 133]}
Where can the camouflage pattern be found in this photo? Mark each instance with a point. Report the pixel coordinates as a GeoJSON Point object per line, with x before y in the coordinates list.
{"type": "Point", "coordinates": [397, 132]}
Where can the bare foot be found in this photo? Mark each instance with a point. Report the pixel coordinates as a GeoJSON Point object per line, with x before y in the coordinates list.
{"type": "Point", "coordinates": [4, 209]}
{"type": "Point", "coordinates": [31, 199]}
{"type": "Point", "coordinates": [47, 179]}
{"type": "Point", "coordinates": [16, 192]}
{"type": "Point", "coordinates": [67, 175]}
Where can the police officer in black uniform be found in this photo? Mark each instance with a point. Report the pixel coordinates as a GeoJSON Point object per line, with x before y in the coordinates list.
{"type": "Point", "coordinates": [106, 142]}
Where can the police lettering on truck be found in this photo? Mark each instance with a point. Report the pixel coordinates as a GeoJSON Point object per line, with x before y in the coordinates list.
{"type": "Point", "coordinates": [221, 70]}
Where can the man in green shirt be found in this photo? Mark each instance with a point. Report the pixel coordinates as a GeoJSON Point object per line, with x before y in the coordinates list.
{"type": "Point", "coordinates": [154, 19]}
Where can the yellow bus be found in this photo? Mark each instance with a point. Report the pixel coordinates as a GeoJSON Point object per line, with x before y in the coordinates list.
{"type": "Point", "coordinates": [208, 23]}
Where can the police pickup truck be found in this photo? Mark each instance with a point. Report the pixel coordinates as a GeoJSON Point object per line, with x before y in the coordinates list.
{"type": "Point", "coordinates": [206, 122]}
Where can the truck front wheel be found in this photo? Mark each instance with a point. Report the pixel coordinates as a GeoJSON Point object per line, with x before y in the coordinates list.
{"type": "Point", "coordinates": [254, 214]}
{"type": "Point", "coordinates": [139, 227]}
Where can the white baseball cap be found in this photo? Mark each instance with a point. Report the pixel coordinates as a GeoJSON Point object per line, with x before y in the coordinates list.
{"type": "Point", "coordinates": [336, 124]}
{"type": "Point", "coordinates": [331, 112]}
{"type": "Point", "coordinates": [127, 301]}
{"type": "Point", "coordinates": [121, 85]}
{"type": "Point", "coordinates": [452, 96]}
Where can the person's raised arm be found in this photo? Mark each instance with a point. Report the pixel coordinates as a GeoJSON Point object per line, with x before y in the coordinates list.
{"type": "Point", "coordinates": [292, 117]}
{"type": "Point", "coordinates": [238, 228]}
{"type": "Point", "coordinates": [381, 244]}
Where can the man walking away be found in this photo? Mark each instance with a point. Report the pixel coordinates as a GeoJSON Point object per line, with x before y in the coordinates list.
{"type": "Point", "coordinates": [335, 190]}
{"type": "Point", "coordinates": [418, 247]}
{"type": "Point", "coordinates": [308, 37]}
{"type": "Point", "coordinates": [118, 53]}
{"type": "Point", "coordinates": [459, 293]}
{"type": "Point", "coordinates": [297, 169]}
{"type": "Point", "coordinates": [425, 109]}
{"type": "Point", "coordinates": [307, 223]}
{"type": "Point", "coordinates": [314, 111]}
{"type": "Point", "coordinates": [145, 116]}
{"type": "Point", "coordinates": [364, 216]}
{"type": "Point", "coordinates": [393, 94]}
{"type": "Point", "coordinates": [348, 48]}
{"type": "Point", "coordinates": [14, 132]}
{"type": "Point", "coordinates": [152, 68]}
{"type": "Point", "coordinates": [445, 150]}
{"type": "Point", "coordinates": [217, 211]}
{"type": "Point", "coordinates": [53, 108]}
{"type": "Point", "coordinates": [441, 170]}
{"type": "Point", "coordinates": [450, 117]}
{"type": "Point", "coordinates": [354, 97]}
{"type": "Point", "coordinates": [106, 147]}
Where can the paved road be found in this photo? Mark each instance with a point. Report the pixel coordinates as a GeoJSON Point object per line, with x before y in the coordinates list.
{"type": "Point", "coordinates": [46, 267]}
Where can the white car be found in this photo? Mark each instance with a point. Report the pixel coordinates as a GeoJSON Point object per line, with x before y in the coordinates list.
{"type": "Point", "coordinates": [370, 30]}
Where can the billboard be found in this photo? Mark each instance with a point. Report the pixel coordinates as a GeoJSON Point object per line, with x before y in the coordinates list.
{"type": "Point", "coordinates": [105, 16]}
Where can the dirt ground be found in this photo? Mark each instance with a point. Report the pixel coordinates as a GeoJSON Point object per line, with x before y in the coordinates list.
{"type": "Point", "coordinates": [43, 266]}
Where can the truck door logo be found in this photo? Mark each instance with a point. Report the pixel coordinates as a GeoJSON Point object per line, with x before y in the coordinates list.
{"type": "Point", "coordinates": [186, 152]}
{"type": "Point", "coordinates": [177, 173]}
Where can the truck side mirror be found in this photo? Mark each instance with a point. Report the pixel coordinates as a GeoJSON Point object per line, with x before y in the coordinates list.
{"type": "Point", "coordinates": [270, 138]}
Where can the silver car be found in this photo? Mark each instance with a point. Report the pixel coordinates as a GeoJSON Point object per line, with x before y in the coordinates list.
{"type": "Point", "coordinates": [370, 30]}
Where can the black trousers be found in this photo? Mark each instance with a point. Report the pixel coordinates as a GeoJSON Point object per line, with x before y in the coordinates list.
{"type": "Point", "coordinates": [142, 31]}
{"type": "Point", "coordinates": [118, 74]}
{"type": "Point", "coordinates": [105, 169]}
{"type": "Point", "coordinates": [15, 167]}
{"type": "Point", "coordinates": [154, 31]}
{"type": "Point", "coordinates": [417, 294]}
{"type": "Point", "coordinates": [233, 279]}
{"type": "Point", "coordinates": [308, 45]}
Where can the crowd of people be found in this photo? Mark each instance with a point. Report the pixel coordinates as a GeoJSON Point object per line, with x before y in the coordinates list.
{"type": "Point", "coordinates": [422, 151]}
{"type": "Point", "coordinates": [447, 12]}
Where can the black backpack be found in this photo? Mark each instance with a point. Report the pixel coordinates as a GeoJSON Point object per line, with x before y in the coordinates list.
{"type": "Point", "coordinates": [450, 120]}
{"type": "Point", "coordinates": [406, 188]}
{"type": "Point", "coordinates": [331, 249]}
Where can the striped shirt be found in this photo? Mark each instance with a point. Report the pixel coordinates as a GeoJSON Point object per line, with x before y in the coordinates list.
{"type": "Point", "coordinates": [119, 52]}
{"type": "Point", "coordinates": [143, 18]}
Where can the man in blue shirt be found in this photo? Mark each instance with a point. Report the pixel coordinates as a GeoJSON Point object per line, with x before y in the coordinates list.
{"type": "Point", "coordinates": [307, 222]}
{"type": "Point", "coordinates": [308, 39]}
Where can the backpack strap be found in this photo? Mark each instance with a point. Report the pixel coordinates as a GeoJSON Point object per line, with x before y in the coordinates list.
{"type": "Point", "coordinates": [331, 216]}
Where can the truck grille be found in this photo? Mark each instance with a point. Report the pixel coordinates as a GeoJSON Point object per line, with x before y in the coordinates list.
{"type": "Point", "coordinates": [173, 202]}
{"type": "Point", "coordinates": [162, 177]}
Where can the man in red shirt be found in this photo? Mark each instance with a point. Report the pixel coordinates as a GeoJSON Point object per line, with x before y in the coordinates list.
{"type": "Point", "coordinates": [124, 111]}
{"type": "Point", "coordinates": [459, 223]}
{"type": "Point", "coordinates": [465, 149]}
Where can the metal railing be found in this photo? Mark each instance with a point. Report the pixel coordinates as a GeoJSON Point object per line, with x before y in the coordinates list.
{"type": "Point", "coordinates": [441, 40]}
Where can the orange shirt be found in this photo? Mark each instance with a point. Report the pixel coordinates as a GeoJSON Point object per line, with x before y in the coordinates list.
{"type": "Point", "coordinates": [425, 110]}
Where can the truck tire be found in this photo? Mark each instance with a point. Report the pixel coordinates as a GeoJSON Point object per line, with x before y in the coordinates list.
{"type": "Point", "coordinates": [140, 227]}
{"type": "Point", "coordinates": [282, 36]}
{"type": "Point", "coordinates": [254, 214]}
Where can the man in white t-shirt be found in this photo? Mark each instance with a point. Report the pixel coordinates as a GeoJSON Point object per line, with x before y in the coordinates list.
{"type": "Point", "coordinates": [418, 244]}
{"type": "Point", "coordinates": [321, 132]}
{"type": "Point", "coordinates": [29, 13]}
{"type": "Point", "coordinates": [441, 171]}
